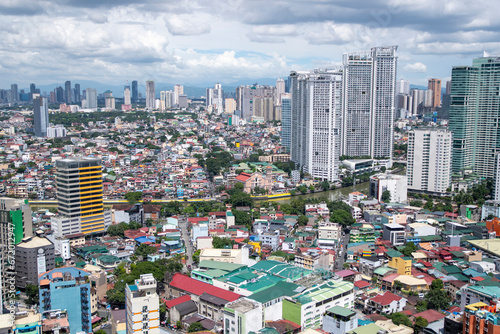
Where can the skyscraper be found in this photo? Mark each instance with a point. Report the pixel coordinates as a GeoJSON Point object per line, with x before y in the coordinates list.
{"type": "Point", "coordinates": [14, 93]}
{"type": "Point", "coordinates": [429, 160]}
{"type": "Point", "coordinates": [60, 94]}
{"type": "Point", "coordinates": [474, 115]}
{"type": "Point", "coordinates": [245, 96]}
{"type": "Point", "coordinates": [230, 106]}
{"type": "Point", "coordinates": [178, 90]}
{"type": "Point", "coordinates": [78, 98]}
{"type": "Point", "coordinates": [435, 86]}
{"type": "Point", "coordinates": [316, 115]}
{"type": "Point", "coordinates": [40, 116]}
{"type": "Point", "coordinates": [67, 92]}
{"type": "Point", "coordinates": [91, 97]}
{"type": "Point", "coordinates": [135, 92]}
{"type": "Point", "coordinates": [150, 94]}
{"type": "Point", "coordinates": [280, 89]}
{"type": "Point", "coordinates": [286, 120]}
{"type": "Point", "coordinates": [109, 100]}
{"type": "Point", "coordinates": [215, 98]}
{"type": "Point", "coordinates": [368, 102]}
{"type": "Point", "coordinates": [126, 95]}
{"type": "Point", "coordinates": [79, 197]}
{"type": "Point", "coordinates": [32, 90]}
{"type": "Point", "coordinates": [403, 87]}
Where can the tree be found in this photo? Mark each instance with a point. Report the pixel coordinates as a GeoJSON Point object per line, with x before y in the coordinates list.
{"type": "Point", "coordinates": [386, 196]}
{"type": "Point", "coordinates": [409, 248]}
{"type": "Point", "coordinates": [195, 327]}
{"type": "Point", "coordinates": [383, 169]}
{"type": "Point", "coordinates": [196, 256]}
{"type": "Point", "coordinates": [100, 331]}
{"type": "Point", "coordinates": [242, 218]}
{"type": "Point", "coordinates": [178, 324]}
{"type": "Point", "coordinates": [241, 199]}
{"type": "Point", "coordinates": [437, 298]}
{"type": "Point", "coordinates": [325, 185]}
{"type": "Point", "coordinates": [397, 285]}
{"type": "Point", "coordinates": [133, 196]}
{"type": "Point", "coordinates": [32, 293]}
{"type": "Point", "coordinates": [417, 203]}
{"type": "Point", "coordinates": [399, 318]}
{"type": "Point", "coordinates": [421, 306]}
{"type": "Point", "coordinates": [220, 243]}
{"type": "Point", "coordinates": [341, 217]}
{"type": "Point", "coordinates": [302, 188]}
{"type": "Point", "coordinates": [144, 250]}
{"type": "Point", "coordinates": [311, 188]}
{"type": "Point", "coordinates": [420, 324]}
{"type": "Point", "coordinates": [302, 220]}
{"type": "Point", "coordinates": [429, 205]}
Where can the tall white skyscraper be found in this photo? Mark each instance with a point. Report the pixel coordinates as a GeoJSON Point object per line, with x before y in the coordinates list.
{"type": "Point", "coordinates": [150, 95]}
{"type": "Point", "coordinates": [230, 106]}
{"type": "Point", "coordinates": [126, 95]}
{"type": "Point", "coordinates": [369, 102]}
{"type": "Point", "coordinates": [403, 87]}
{"type": "Point", "coordinates": [178, 90]}
{"type": "Point", "coordinates": [280, 89]}
{"type": "Point", "coordinates": [91, 97]}
{"type": "Point", "coordinates": [286, 120]}
{"type": "Point", "coordinates": [316, 114]}
{"type": "Point", "coordinates": [215, 98]}
{"type": "Point", "coordinates": [163, 95]}
{"type": "Point", "coordinates": [429, 160]}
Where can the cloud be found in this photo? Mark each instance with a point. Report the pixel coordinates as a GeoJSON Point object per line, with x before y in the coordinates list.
{"type": "Point", "coordinates": [416, 67]}
{"type": "Point", "coordinates": [187, 25]}
{"type": "Point", "coordinates": [98, 18]}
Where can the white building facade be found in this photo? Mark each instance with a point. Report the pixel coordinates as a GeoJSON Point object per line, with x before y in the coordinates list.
{"type": "Point", "coordinates": [143, 306]}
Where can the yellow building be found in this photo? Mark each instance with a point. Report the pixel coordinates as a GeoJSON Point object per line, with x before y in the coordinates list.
{"type": "Point", "coordinates": [256, 246]}
{"type": "Point", "coordinates": [411, 283]}
{"type": "Point", "coordinates": [401, 264]}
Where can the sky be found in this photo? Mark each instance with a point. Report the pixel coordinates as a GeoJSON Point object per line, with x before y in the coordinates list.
{"type": "Point", "coordinates": [201, 42]}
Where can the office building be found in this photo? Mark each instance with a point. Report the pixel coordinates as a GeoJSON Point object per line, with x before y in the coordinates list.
{"type": "Point", "coordinates": [215, 99]}
{"type": "Point", "coordinates": [429, 160]}
{"type": "Point", "coordinates": [78, 98]}
{"type": "Point", "coordinates": [403, 87]}
{"type": "Point", "coordinates": [230, 106]}
{"type": "Point", "coordinates": [59, 94]}
{"type": "Point", "coordinates": [474, 114]}
{"type": "Point", "coordinates": [91, 98]}
{"type": "Point", "coordinates": [280, 89]}
{"type": "Point", "coordinates": [435, 86]}
{"type": "Point", "coordinates": [183, 101]}
{"type": "Point", "coordinates": [126, 96]}
{"type": "Point", "coordinates": [67, 92]}
{"type": "Point", "coordinates": [14, 93]}
{"type": "Point", "coordinates": [316, 122]}
{"type": "Point", "coordinates": [79, 197]}
{"type": "Point", "coordinates": [67, 288]}
{"type": "Point", "coordinates": [40, 116]}
{"type": "Point", "coordinates": [428, 98]}
{"type": "Point", "coordinates": [143, 306]}
{"type": "Point", "coordinates": [32, 90]}
{"type": "Point", "coordinates": [135, 91]}
{"type": "Point", "coordinates": [178, 90]}
{"type": "Point", "coordinates": [245, 96]}
{"type": "Point", "coordinates": [34, 256]}
{"type": "Point", "coordinates": [368, 102]}
{"type": "Point", "coordinates": [286, 120]}
{"type": "Point", "coordinates": [109, 100]}
{"type": "Point", "coordinates": [496, 179]}
{"type": "Point", "coordinates": [150, 95]}
{"type": "Point", "coordinates": [395, 184]}
{"type": "Point", "coordinates": [395, 233]}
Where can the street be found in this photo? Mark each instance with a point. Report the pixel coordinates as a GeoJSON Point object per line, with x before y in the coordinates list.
{"type": "Point", "coordinates": [339, 261]}
{"type": "Point", "coordinates": [183, 224]}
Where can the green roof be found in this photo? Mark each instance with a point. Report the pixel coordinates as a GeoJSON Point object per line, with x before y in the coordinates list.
{"type": "Point", "coordinates": [80, 264]}
{"type": "Point", "coordinates": [428, 238]}
{"type": "Point", "coordinates": [367, 329]}
{"type": "Point", "coordinates": [382, 271]}
{"type": "Point", "coordinates": [451, 270]}
{"type": "Point", "coordinates": [324, 291]}
{"type": "Point", "coordinates": [280, 289]}
{"type": "Point", "coordinates": [220, 265]}
{"type": "Point", "coordinates": [342, 311]}
{"type": "Point", "coordinates": [108, 258]}
{"type": "Point", "coordinates": [393, 253]}
{"type": "Point", "coordinates": [460, 277]}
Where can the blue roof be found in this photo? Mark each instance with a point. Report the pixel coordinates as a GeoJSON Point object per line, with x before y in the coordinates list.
{"type": "Point", "coordinates": [145, 239]}
{"type": "Point", "coordinates": [132, 287]}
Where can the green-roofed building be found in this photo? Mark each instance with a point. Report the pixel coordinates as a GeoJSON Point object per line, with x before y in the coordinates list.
{"type": "Point", "coordinates": [281, 269]}
{"type": "Point", "coordinates": [339, 319]}
{"type": "Point", "coordinates": [272, 299]}
{"type": "Point", "coordinates": [390, 253]}
{"type": "Point", "coordinates": [208, 270]}
{"type": "Point", "coordinates": [307, 308]}
{"type": "Point", "coordinates": [367, 329]}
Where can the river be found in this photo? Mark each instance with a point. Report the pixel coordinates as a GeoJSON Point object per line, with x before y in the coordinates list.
{"type": "Point", "coordinates": [332, 195]}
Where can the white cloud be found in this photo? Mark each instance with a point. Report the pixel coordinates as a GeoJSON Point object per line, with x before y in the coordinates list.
{"type": "Point", "coordinates": [416, 67]}
{"type": "Point", "coordinates": [187, 25]}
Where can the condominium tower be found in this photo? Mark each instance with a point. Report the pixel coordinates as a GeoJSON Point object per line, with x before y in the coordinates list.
{"type": "Point", "coordinates": [79, 197]}
{"type": "Point", "coordinates": [474, 115]}
{"type": "Point", "coordinates": [316, 115]}
{"type": "Point", "coordinates": [429, 160]}
{"type": "Point", "coordinates": [142, 306]}
{"type": "Point", "coordinates": [435, 86]}
{"type": "Point", "coordinates": [286, 120]}
{"type": "Point", "coordinates": [150, 95]}
{"type": "Point", "coordinates": [368, 102]}
{"type": "Point", "coordinates": [40, 116]}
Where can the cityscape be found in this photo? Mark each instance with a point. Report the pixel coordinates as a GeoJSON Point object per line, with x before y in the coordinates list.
{"type": "Point", "coordinates": [249, 168]}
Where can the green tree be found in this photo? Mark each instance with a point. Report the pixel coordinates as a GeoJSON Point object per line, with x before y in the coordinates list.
{"type": "Point", "coordinates": [302, 188]}
{"type": "Point", "coordinates": [220, 243]}
{"type": "Point", "coordinates": [325, 185]}
{"type": "Point", "coordinates": [421, 306]}
{"type": "Point", "coordinates": [409, 248]}
{"type": "Point", "coordinates": [195, 327]}
{"type": "Point", "coordinates": [429, 205]}
{"type": "Point", "coordinates": [399, 318]}
{"type": "Point", "coordinates": [311, 188]}
{"type": "Point", "coordinates": [178, 324]}
{"type": "Point", "coordinates": [417, 203]}
{"type": "Point", "coordinates": [196, 256]}
{"type": "Point", "coordinates": [420, 324]}
{"type": "Point", "coordinates": [133, 196]}
{"type": "Point", "coordinates": [32, 293]}
{"type": "Point", "coordinates": [242, 218]}
{"type": "Point", "coordinates": [100, 331]}
{"type": "Point", "coordinates": [397, 285]}
{"type": "Point", "coordinates": [144, 250]}
{"type": "Point", "coordinates": [117, 230]}
{"type": "Point", "coordinates": [341, 217]}
{"type": "Point", "coordinates": [386, 196]}
{"type": "Point", "coordinates": [302, 220]}
{"type": "Point", "coordinates": [241, 199]}
{"type": "Point", "coordinates": [437, 298]}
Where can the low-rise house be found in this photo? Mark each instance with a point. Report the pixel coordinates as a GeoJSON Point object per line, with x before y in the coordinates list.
{"type": "Point", "coordinates": [385, 303]}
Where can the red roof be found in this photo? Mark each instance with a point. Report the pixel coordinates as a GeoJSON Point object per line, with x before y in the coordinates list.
{"type": "Point", "coordinates": [176, 301]}
{"type": "Point", "coordinates": [188, 284]}
{"type": "Point", "coordinates": [385, 299]}
{"type": "Point", "coordinates": [345, 273]}
{"type": "Point", "coordinates": [430, 315]}
{"type": "Point", "coordinates": [361, 284]}
{"type": "Point", "coordinates": [243, 177]}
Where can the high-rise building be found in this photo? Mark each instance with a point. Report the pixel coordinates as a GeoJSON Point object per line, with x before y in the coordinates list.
{"type": "Point", "coordinates": [230, 106]}
{"type": "Point", "coordinates": [280, 89]}
{"type": "Point", "coordinates": [448, 87]}
{"type": "Point", "coordinates": [150, 94]}
{"type": "Point", "coordinates": [178, 90]}
{"type": "Point", "coordinates": [418, 100]}
{"type": "Point", "coordinates": [91, 97]}
{"type": "Point", "coordinates": [286, 120]}
{"type": "Point", "coordinates": [109, 100]}
{"type": "Point", "coordinates": [40, 116]}
{"type": "Point", "coordinates": [316, 122]}
{"type": "Point", "coordinates": [474, 115]}
{"type": "Point", "coordinates": [435, 86]}
{"type": "Point", "coordinates": [32, 90]}
{"type": "Point", "coordinates": [245, 97]}
{"type": "Point", "coordinates": [428, 98]}
{"type": "Point", "coordinates": [67, 288]}
{"type": "Point", "coordinates": [481, 317]}
{"type": "Point", "coordinates": [79, 197]}
{"type": "Point", "coordinates": [215, 98]}
{"type": "Point", "coordinates": [34, 256]}
{"type": "Point", "coordinates": [163, 96]}
{"type": "Point", "coordinates": [496, 179]}
{"type": "Point", "coordinates": [60, 94]}
{"type": "Point", "coordinates": [429, 160]}
{"type": "Point", "coordinates": [135, 91]}
{"type": "Point", "coordinates": [14, 93]}
{"type": "Point", "coordinates": [368, 102]}
{"type": "Point", "coordinates": [403, 87]}
{"type": "Point", "coordinates": [263, 107]}
{"type": "Point", "coordinates": [397, 185]}
{"type": "Point", "coordinates": [143, 306]}
{"type": "Point", "coordinates": [126, 96]}
{"type": "Point", "coordinates": [67, 92]}
{"type": "Point", "coordinates": [78, 98]}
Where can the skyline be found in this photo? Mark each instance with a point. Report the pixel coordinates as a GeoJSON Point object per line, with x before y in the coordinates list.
{"type": "Point", "coordinates": [194, 43]}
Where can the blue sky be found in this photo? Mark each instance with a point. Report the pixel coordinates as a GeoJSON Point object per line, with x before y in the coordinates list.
{"type": "Point", "coordinates": [198, 42]}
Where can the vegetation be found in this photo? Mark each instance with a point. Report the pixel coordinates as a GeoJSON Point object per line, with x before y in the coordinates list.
{"type": "Point", "coordinates": [340, 212]}
{"type": "Point", "coordinates": [32, 293]}
{"type": "Point", "coordinates": [420, 324]}
{"type": "Point", "coordinates": [118, 230]}
{"type": "Point", "coordinates": [220, 243]}
{"type": "Point", "coordinates": [399, 318]}
{"type": "Point", "coordinates": [195, 327]}
{"type": "Point", "coordinates": [133, 196]}
{"type": "Point", "coordinates": [409, 248]}
{"type": "Point", "coordinates": [302, 220]}
{"type": "Point", "coordinates": [386, 196]}
{"type": "Point", "coordinates": [437, 298]}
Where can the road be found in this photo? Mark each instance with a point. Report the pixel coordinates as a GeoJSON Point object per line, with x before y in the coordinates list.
{"type": "Point", "coordinates": [183, 224]}
{"type": "Point", "coordinates": [339, 261]}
